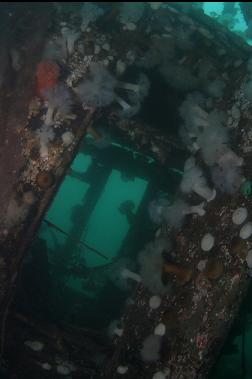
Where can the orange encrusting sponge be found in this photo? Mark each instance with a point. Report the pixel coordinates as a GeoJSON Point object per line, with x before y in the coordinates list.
{"type": "Point", "coordinates": [47, 76]}
{"type": "Point", "coordinates": [182, 274]}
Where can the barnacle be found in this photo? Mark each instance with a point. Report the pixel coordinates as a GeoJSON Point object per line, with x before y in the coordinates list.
{"type": "Point", "coordinates": [45, 180]}
{"type": "Point", "coordinates": [214, 269]}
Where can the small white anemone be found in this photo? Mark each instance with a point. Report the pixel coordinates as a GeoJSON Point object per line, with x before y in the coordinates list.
{"type": "Point", "coordinates": [127, 274]}
{"type": "Point", "coordinates": [45, 135]}
{"type": "Point", "coordinates": [194, 181]}
{"type": "Point", "coordinates": [127, 110]}
{"type": "Point", "coordinates": [157, 210]}
{"type": "Point", "coordinates": [175, 213]}
{"type": "Point", "coordinates": [140, 89]}
{"type": "Point", "coordinates": [196, 209]}
{"type": "Point", "coordinates": [70, 36]}
{"type": "Point", "coordinates": [49, 115]}
{"type": "Point", "coordinates": [161, 210]}
{"type": "Point", "coordinates": [136, 94]}
{"type": "Point", "coordinates": [114, 329]}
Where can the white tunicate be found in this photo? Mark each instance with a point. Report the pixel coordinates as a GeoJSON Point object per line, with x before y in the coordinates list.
{"type": "Point", "coordinates": [150, 351]}
{"type": "Point", "coordinates": [207, 242]}
{"type": "Point", "coordinates": [63, 370]}
{"type": "Point", "coordinates": [154, 302]}
{"type": "Point", "coordinates": [35, 345]}
{"type": "Point", "coordinates": [159, 375]}
{"type": "Point", "coordinates": [246, 231]}
{"type": "Point", "coordinates": [160, 330]}
{"type": "Point", "coordinates": [46, 366]}
{"type": "Point", "coordinates": [239, 216]}
{"type": "Point", "coordinates": [202, 265]}
{"type": "Point", "coordinates": [249, 259]}
{"type": "Point", "coordinates": [67, 138]}
{"type": "Point", "coordinates": [122, 369]}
